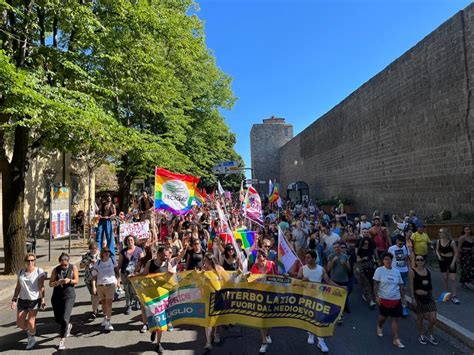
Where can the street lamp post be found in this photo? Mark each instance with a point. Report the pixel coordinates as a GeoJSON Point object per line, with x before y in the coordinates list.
{"type": "Point", "coordinates": [49, 174]}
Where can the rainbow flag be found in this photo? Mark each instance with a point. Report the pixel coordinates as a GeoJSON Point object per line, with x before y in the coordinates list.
{"type": "Point", "coordinates": [199, 198]}
{"type": "Point", "coordinates": [174, 192]}
{"type": "Point", "coordinates": [247, 237]}
{"type": "Point", "coordinates": [275, 195]}
{"type": "Point", "coordinates": [445, 296]}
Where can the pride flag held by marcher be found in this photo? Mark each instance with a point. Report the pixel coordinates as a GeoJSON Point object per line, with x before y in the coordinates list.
{"type": "Point", "coordinates": [275, 195]}
{"type": "Point", "coordinates": [253, 206]}
{"type": "Point", "coordinates": [199, 197]}
{"type": "Point", "coordinates": [247, 237]}
{"type": "Point", "coordinates": [286, 256]}
{"type": "Point", "coordinates": [174, 192]}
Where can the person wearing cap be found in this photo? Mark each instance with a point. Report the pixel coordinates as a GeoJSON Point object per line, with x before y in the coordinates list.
{"type": "Point", "coordinates": [401, 262]}
{"type": "Point", "coordinates": [421, 241]}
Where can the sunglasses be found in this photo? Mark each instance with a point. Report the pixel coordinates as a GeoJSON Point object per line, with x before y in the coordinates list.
{"type": "Point", "coordinates": [420, 259]}
{"type": "Point", "coordinates": [30, 260]}
{"type": "Point", "coordinates": [107, 251]}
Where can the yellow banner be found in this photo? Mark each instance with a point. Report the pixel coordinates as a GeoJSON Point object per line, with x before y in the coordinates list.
{"type": "Point", "coordinates": [261, 301]}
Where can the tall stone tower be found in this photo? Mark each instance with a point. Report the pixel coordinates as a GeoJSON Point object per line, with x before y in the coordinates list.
{"type": "Point", "coordinates": [266, 139]}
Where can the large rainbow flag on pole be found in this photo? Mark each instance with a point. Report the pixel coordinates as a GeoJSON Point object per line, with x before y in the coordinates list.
{"type": "Point", "coordinates": [174, 192]}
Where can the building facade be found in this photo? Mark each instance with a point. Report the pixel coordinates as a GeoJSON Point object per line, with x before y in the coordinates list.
{"type": "Point", "coordinates": [55, 169]}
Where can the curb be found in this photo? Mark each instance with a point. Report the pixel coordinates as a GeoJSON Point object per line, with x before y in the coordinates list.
{"type": "Point", "coordinates": [462, 334]}
{"type": "Point", "coordinates": [7, 291]}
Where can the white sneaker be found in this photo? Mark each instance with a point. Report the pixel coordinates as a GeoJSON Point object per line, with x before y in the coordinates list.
{"type": "Point", "coordinates": [269, 339]}
{"type": "Point", "coordinates": [104, 322]}
{"type": "Point", "coordinates": [109, 326]}
{"type": "Point", "coordinates": [62, 346]}
{"type": "Point", "coordinates": [310, 338]}
{"type": "Point", "coordinates": [68, 331]}
{"type": "Point", "coordinates": [372, 304]}
{"type": "Point", "coordinates": [263, 349]}
{"type": "Point", "coordinates": [31, 342]}
{"type": "Point", "coordinates": [322, 345]}
{"type": "Point", "coordinates": [144, 328]}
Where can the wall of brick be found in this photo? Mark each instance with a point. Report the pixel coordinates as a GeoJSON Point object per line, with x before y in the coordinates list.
{"type": "Point", "coordinates": [402, 140]}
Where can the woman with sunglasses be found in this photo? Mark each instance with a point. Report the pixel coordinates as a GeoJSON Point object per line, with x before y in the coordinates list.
{"type": "Point", "coordinates": [63, 278]}
{"type": "Point", "coordinates": [104, 284]}
{"type": "Point", "coordinates": [264, 266]}
{"type": "Point", "coordinates": [422, 299]}
{"type": "Point", "coordinates": [29, 297]}
{"type": "Point", "coordinates": [230, 261]}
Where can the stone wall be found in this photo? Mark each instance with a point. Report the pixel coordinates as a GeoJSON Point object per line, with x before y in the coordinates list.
{"type": "Point", "coordinates": [402, 140]}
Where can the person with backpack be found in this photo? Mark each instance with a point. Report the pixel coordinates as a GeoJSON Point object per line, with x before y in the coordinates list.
{"type": "Point", "coordinates": [401, 262]}
{"type": "Point", "coordinates": [29, 297]}
{"type": "Point", "coordinates": [127, 264]}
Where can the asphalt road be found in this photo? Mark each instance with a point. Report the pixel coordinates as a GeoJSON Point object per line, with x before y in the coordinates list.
{"type": "Point", "coordinates": [355, 336]}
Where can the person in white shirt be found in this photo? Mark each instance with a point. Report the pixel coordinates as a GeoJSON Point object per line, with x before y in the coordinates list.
{"type": "Point", "coordinates": [389, 291]}
{"type": "Point", "coordinates": [312, 272]}
{"type": "Point", "coordinates": [328, 239]}
{"type": "Point", "coordinates": [28, 297]}
{"type": "Point", "coordinates": [104, 284]}
{"type": "Point", "coordinates": [401, 262]}
{"type": "Point", "coordinates": [363, 224]}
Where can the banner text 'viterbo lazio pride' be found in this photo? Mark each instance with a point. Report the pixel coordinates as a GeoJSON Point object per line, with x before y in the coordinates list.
{"type": "Point", "coordinates": [262, 301]}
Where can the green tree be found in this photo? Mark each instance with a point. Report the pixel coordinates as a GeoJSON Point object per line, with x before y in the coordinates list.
{"type": "Point", "coordinates": [165, 82]}
{"type": "Point", "coordinates": [47, 101]}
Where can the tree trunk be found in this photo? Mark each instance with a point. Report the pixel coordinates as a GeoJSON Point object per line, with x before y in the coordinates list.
{"type": "Point", "coordinates": [124, 182]}
{"type": "Point", "coordinates": [13, 189]}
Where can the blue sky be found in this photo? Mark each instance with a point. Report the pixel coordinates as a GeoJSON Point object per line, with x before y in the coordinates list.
{"type": "Point", "coordinates": [298, 58]}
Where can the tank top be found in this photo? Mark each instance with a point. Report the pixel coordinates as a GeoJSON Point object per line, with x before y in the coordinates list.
{"type": "Point", "coordinates": [66, 289]}
{"type": "Point", "coordinates": [158, 269]}
{"type": "Point", "coordinates": [467, 246]}
{"type": "Point", "coordinates": [230, 266]}
{"type": "Point", "coordinates": [313, 275]}
{"type": "Point", "coordinates": [447, 249]}
{"type": "Point", "coordinates": [422, 282]}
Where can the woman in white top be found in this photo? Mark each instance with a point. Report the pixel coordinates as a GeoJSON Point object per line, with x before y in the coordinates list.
{"type": "Point", "coordinates": [104, 284]}
{"type": "Point", "coordinates": [312, 272]}
{"type": "Point", "coordinates": [28, 297]}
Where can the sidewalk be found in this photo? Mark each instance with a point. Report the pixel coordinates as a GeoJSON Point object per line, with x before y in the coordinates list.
{"type": "Point", "coordinates": [8, 282]}
{"type": "Point", "coordinates": [454, 319]}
